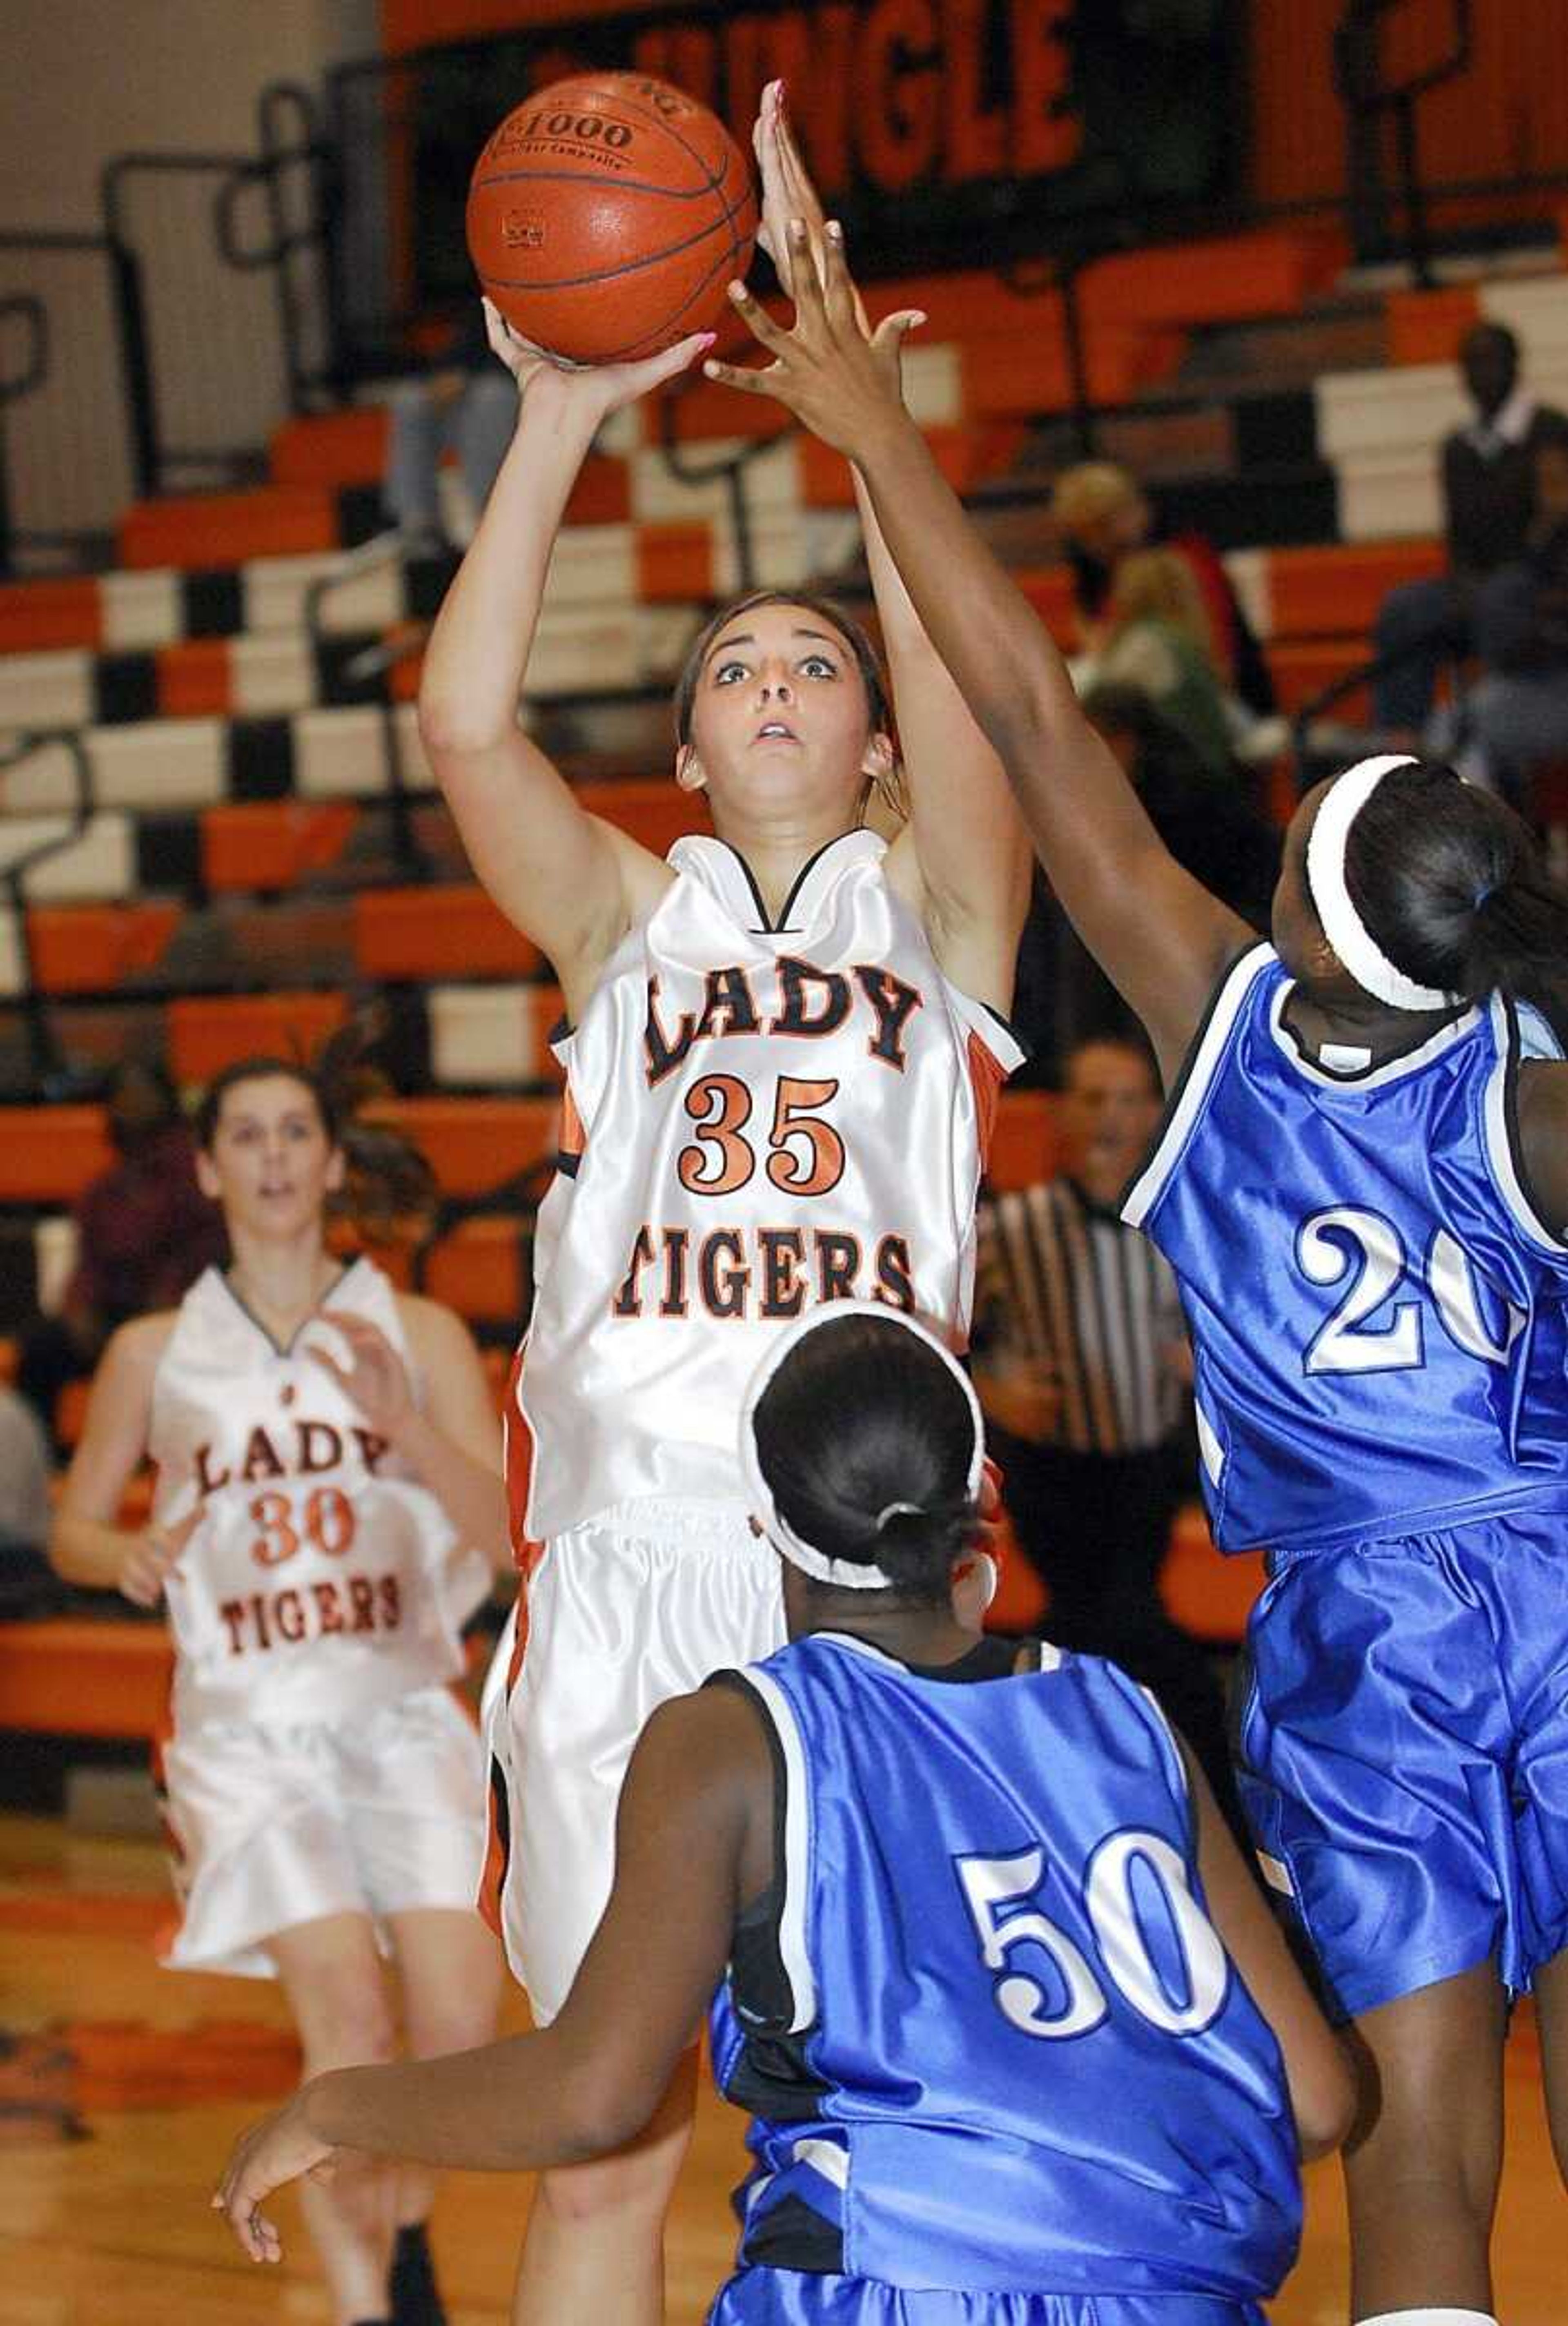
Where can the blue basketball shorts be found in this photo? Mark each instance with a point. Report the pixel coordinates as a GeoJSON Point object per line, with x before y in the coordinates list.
{"type": "Point", "coordinates": [1403, 1748]}
{"type": "Point", "coordinates": [790, 2297]}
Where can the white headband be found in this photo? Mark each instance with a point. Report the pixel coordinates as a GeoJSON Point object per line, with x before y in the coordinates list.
{"type": "Point", "coordinates": [1343, 926]}
{"type": "Point", "coordinates": [843, 1574]}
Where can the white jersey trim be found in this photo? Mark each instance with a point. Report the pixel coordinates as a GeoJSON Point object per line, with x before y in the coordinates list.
{"type": "Point", "coordinates": [1499, 1126]}
{"type": "Point", "coordinates": [1392, 1070]}
{"type": "Point", "coordinates": [1192, 1090]}
{"type": "Point", "coordinates": [794, 1951]}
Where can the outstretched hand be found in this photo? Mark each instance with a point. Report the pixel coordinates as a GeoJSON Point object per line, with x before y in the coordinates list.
{"type": "Point", "coordinates": [788, 192]}
{"type": "Point", "coordinates": [837, 379]}
{"type": "Point", "coordinates": [606, 388]}
{"type": "Point", "coordinates": [281, 2148]}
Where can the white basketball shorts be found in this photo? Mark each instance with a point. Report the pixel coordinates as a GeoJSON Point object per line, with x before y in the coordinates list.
{"type": "Point", "coordinates": [272, 1826]}
{"type": "Point", "coordinates": [639, 1605]}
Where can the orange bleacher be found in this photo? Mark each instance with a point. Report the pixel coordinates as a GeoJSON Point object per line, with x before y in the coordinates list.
{"type": "Point", "coordinates": [270, 845]}
{"type": "Point", "coordinates": [207, 1031]}
{"type": "Point", "coordinates": [89, 948]}
{"type": "Point", "coordinates": [452, 930]}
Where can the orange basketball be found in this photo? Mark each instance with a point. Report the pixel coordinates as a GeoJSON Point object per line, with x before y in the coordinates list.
{"type": "Point", "coordinates": [607, 214]}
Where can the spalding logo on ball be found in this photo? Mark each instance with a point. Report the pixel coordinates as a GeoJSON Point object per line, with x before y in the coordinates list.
{"type": "Point", "coordinates": [607, 214]}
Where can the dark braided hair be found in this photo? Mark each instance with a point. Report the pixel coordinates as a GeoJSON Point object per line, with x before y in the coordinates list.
{"type": "Point", "coordinates": [861, 1417]}
{"type": "Point", "coordinates": [1453, 885]}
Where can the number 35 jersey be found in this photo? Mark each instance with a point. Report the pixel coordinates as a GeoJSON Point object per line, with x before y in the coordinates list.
{"type": "Point", "coordinates": [1377, 1312]}
{"type": "Point", "coordinates": [321, 1579]}
{"type": "Point", "coordinates": [756, 1120]}
{"type": "Point", "coordinates": [987, 2034]}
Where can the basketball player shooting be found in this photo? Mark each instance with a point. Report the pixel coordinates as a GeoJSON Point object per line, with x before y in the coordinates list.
{"type": "Point", "coordinates": [785, 1046]}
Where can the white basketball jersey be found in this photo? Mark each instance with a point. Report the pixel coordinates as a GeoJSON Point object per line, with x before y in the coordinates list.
{"type": "Point", "coordinates": [322, 1578]}
{"type": "Point", "coordinates": [756, 1120]}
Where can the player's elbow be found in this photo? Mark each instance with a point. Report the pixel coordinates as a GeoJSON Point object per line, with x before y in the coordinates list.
{"type": "Point", "coordinates": [1322, 2098]}
{"type": "Point", "coordinates": [605, 2105]}
{"type": "Point", "coordinates": [64, 1554]}
{"type": "Point", "coordinates": [454, 727]}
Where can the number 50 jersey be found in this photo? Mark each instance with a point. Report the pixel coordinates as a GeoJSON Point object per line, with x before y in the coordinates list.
{"type": "Point", "coordinates": [989, 2035]}
{"type": "Point", "coordinates": [756, 1120]}
{"type": "Point", "coordinates": [1377, 1312]}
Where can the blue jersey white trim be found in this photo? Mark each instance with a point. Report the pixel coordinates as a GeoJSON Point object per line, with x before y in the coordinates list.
{"type": "Point", "coordinates": [999, 1899]}
{"type": "Point", "coordinates": [1377, 1312]}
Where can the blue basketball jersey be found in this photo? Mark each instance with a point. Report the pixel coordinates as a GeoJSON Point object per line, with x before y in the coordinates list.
{"type": "Point", "coordinates": [989, 2037]}
{"type": "Point", "coordinates": [1377, 1312]}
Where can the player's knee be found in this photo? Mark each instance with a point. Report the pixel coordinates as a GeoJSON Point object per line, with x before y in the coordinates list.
{"type": "Point", "coordinates": [634, 2184]}
{"type": "Point", "coordinates": [348, 2027]}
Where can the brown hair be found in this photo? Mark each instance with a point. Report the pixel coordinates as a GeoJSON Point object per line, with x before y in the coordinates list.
{"type": "Point", "coordinates": [827, 610]}
{"type": "Point", "coordinates": [386, 1176]}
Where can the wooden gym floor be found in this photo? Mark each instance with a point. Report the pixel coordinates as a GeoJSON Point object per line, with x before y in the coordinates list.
{"type": "Point", "coordinates": [105, 2217]}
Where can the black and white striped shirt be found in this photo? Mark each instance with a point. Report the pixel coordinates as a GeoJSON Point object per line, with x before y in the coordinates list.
{"type": "Point", "coordinates": [1064, 1283]}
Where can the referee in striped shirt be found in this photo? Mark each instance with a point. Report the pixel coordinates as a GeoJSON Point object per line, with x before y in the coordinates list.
{"type": "Point", "coordinates": [1083, 1369]}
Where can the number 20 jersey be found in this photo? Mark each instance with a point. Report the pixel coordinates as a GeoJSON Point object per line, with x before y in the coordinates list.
{"type": "Point", "coordinates": [1377, 1312]}
{"type": "Point", "coordinates": [323, 1579]}
{"type": "Point", "coordinates": [756, 1120]}
{"type": "Point", "coordinates": [988, 2035]}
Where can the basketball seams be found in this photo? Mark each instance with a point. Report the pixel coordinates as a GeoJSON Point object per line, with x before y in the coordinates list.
{"type": "Point", "coordinates": [609, 185]}
{"type": "Point", "coordinates": [655, 309]}
{"type": "Point", "coordinates": [608, 274]}
{"type": "Point", "coordinates": [651, 341]}
{"type": "Point", "coordinates": [710, 185]}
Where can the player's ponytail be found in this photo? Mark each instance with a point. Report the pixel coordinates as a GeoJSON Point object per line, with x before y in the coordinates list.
{"type": "Point", "coordinates": [386, 1180]}
{"type": "Point", "coordinates": [1454, 887]}
{"type": "Point", "coordinates": [864, 1442]}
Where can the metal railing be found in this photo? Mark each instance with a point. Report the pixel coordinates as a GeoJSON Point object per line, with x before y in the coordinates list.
{"type": "Point", "coordinates": [374, 662]}
{"type": "Point", "coordinates": [73, 448]}
{"type": "Point", "coordinates": [50, 1074]}
{"type": "Point", "coordinates": [1371, 100]}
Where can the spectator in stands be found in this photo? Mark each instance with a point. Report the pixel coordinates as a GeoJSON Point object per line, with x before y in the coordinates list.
{"type": "Point", "coordinates": [1211, 828]}
{"type": "Point", "coordinates": [1492, 484]}
{"type": "Point", "coordinates": [1210, 825]}
{"type": "Point", "coordinates": [1516, 716]}
{"type": "Point", "coordinates": [144, 1232]}
{"type": "Point", "coordinates": [1155, 638]}
{"type": "Point", "coordinates": [1082, 1368]}
{"type": "Point", "coordinates": [1101, 516]}
{"type": "Point", "coordinates": [469, 407]}
{"type": "Point", "coordinates": [27, 1584]}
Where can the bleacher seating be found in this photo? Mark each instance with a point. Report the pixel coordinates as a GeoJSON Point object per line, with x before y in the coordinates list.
{"type": "Point", "coordinates": [235, 887]}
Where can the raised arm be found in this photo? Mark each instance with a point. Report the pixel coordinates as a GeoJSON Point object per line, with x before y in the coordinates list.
{"type": "Point", "coordinates": [567, 879]}
{"type": "Point", "coordinates": [1160, 937]}
{"type": "Point", "coordinates": [963, 859]}
{"type": "Point", "coordinates": [695, 1820]}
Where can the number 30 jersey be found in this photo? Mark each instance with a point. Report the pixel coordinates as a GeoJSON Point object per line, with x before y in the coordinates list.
{"type": "Point", "coordinates": [321, 1579]}
{"type": "Point", "coordinates": [1377, 1312]}
{"type": "Point", "coordinates": [987, 2034]}
{"type": "Point", "coordinates": [756, 1120]}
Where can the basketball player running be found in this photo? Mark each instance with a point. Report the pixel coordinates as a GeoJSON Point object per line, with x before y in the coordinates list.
{"type": "Point", "coordinates": [1363, 1188]}
{"type": "Point", "coordinates": [784, 1053]}
{"type": "Point", "coordinates": [966, 1896]}
{"type": "Point", "coordinates": [327, 1457]}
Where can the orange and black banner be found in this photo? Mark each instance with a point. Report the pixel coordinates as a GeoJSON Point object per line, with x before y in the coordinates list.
{"type": "Point", "coordinates": [944, 132]}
